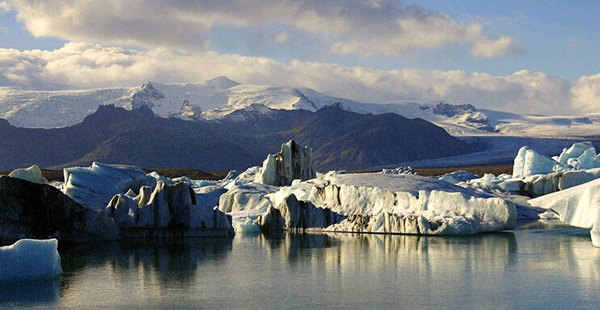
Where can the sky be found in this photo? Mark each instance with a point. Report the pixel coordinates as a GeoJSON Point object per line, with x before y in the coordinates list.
{"type": "Point", "coordinates": [521, 56]}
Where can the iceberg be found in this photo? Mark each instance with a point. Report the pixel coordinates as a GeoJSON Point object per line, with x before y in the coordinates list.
{"type": "Point", "coordinates": [535, 174]}
{"type": "Point", "coordinates": [292, 162]}
{"type": "Point", "coordinates": [577, 206]}
{"type": "Point", "coordinates": [149, 205]}
{"type": "Point", "coordinates": [528, 162]}
{"type": "Point", "coordinates": [372, 202]}
{"type": "Point", "coordinates": [165, 210]}
{"type": "Point", "coordinates": [245, 203]}
{"type": "Point", "coordinates": [41, 211]}
{"type": "Point", "coordinates": [95, 186]}
{"type": "Point", "coordinates": [31, 174]}
{"type": "Point", "coordinates": [411, 204]}
{"type": "Point", "coordinates": [581, 155]}
{"type": "Point", "coordinates": [29, 260]}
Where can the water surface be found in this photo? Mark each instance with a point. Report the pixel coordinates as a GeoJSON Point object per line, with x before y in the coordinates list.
{"type": "Point", "coordinates": [549, 269]}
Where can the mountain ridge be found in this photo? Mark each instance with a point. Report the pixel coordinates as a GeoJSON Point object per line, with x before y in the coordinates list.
{"type": "Point", "coordinates": [340, 140]}
{"type": "Point", "coordinates": [219, 97]}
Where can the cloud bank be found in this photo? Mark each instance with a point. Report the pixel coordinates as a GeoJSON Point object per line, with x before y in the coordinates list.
{"type": "Point", "coordinates": [86, 65]}
{"type": "Point", "coordinates": [350, 27]}
{"type": "Point", "coordinates": [170, 43]}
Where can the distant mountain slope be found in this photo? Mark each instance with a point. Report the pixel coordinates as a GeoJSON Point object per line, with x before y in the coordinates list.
{"type": "Point", "coordinates": [340, 139]}
{"type": "Point", "coordinates": [346, 140]}
{"type": "Point", "coordinates": [217, 98]}
{"type": "Point", "coordinates": [115, 135]}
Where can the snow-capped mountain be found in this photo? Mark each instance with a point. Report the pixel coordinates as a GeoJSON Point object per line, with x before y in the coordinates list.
{"type": "Point", "coordinates": [216, 98]}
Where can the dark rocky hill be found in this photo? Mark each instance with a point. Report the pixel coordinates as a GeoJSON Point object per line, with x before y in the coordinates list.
{"type": "Point", "coordinates": [340, 140]}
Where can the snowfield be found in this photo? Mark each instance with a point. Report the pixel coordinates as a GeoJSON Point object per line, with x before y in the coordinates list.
{"type": "Point", "coordinates": [219, 97]}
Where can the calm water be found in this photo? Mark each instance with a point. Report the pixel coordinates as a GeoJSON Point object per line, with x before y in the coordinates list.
{"type": "Point", "coordinates": [555, 269]}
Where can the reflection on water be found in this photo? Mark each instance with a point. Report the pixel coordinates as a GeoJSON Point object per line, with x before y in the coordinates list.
{"type": "Point", "coordinates": [30, 293]}
{"type": "Point", "coordinates": [513, 270]}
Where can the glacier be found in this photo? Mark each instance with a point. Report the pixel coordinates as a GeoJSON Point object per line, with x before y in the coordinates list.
{"type": "Point", "coordinates": [30, 260]}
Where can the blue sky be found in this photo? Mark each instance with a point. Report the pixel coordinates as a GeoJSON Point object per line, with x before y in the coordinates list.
{"type": "Point", "coordinates": [522, 56]}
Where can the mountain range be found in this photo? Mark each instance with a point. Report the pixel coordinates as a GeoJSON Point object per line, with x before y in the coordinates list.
{"type": "Point", "coordinates": [340, 139]}
{"type": "Point", "coordinates": [221, 124]}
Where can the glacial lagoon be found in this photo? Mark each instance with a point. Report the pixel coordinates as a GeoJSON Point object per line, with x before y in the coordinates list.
{"type": "Point", "coordinates": [521, 269]}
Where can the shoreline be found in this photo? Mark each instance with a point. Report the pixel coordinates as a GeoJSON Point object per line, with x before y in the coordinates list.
{"type": "Point", "coordinates": [198, 174]}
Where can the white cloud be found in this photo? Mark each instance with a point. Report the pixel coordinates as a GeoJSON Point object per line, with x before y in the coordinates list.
{"type": "Point", "coordinates": [85, 65]}
{"type": "Point", "coordinates": [280, 38]}
{"type": "Point", "coordinates": [586, 93]}
{"type": "Point", "coordinates": [350, 26]}
{"type": "Point", "coordinates": [486, 48]}
{"type": "Point", "coordinates": [4, 7]}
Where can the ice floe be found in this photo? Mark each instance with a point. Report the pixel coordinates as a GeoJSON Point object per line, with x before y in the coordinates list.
{"type": "Point", "coordinates": [30, 260]}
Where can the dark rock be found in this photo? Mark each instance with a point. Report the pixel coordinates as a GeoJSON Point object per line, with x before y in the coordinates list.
{"type": "Point", "coordinates": [39, 211]}
{"type": "Point", "coordinates": [451, 110]}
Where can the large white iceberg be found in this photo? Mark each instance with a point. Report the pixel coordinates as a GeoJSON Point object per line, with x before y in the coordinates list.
{"type": "Point", "coordinates": [581, 155]}
{"type": "Point", "coordinates": [378, 203]}
{"type": "Point", "coordinates": [149, 205]}
{"type": "Point", "coordinates": [412, 204]}
{"type": "Point", "coordinates": [578, 206]}
{"type": "Point", "coordinates": [29, 260]}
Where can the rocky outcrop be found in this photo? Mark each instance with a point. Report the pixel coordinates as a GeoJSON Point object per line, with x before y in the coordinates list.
{"type": "Point", "coordinates": [145, 96]}
{"type": "Point", "coordinates": [167, 211]}
{"type": "Point", "coordinates": [40, 211]}
{"type": "Point", "coordinates": [291, 163]}
{"type": "Point", "coordinates": [297, 215]}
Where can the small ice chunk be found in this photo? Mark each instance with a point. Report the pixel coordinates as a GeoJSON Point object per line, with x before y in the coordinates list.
{"type": "Point", "coordinates": [29, 260]}
{"type": "Point", "coordinates": [31, 174]}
